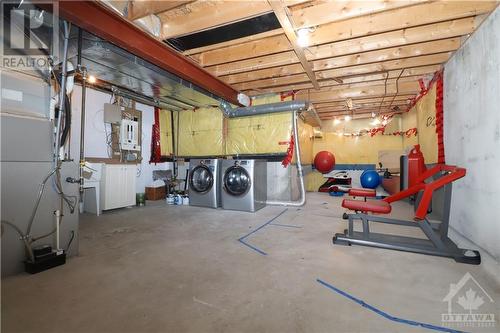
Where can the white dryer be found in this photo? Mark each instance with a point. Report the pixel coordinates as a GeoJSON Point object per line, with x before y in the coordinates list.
{"type": "Point", "coordinates": [203, 180]}
{"type": "Point", "coordinates": [244, 184]}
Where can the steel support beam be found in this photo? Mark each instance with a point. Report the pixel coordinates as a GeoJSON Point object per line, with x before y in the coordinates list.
{"type": "Point", "coordinates": [101, 21]}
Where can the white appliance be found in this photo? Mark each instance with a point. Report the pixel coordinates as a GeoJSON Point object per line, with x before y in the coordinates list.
{"type": "Point", "coordinates": [129, 135]}
{"type": "Point", "coordinates": [118, 185]}
{"type": "Point", "coordinates": [244, 185]}
{"type": "Point", "coordinates": [203, 180]}
{"type": "Point", "coordinates": [92, 173]}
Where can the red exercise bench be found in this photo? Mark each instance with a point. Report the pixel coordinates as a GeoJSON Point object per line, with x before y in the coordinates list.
{"type": "Point", "coordinates": [437, 242]}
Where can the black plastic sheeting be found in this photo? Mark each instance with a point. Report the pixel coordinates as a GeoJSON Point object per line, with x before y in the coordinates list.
{"type": "Point", "coordinates": [249, 27]}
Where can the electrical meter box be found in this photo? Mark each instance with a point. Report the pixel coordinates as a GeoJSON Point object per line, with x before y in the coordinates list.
{"type": "Point", "coordinates": [129, 135]}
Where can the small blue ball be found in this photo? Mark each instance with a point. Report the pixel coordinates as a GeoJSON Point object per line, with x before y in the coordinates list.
{"type": "Point", "coordinates": [370, 179]}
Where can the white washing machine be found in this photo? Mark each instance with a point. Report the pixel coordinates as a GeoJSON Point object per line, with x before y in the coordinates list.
{"type": "Point", "coordinates": [244, 184]}
{"type": "Point", "coordinates": [203, 180]}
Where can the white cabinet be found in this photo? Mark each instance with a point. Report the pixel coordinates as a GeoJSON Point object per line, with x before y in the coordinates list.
{"type": "Point", "coordinates": [118, 186]}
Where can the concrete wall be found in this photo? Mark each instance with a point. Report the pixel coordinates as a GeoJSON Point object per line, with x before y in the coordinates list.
{"type": "Point", "coordinates": [472, 135]}
{"type": "Point", "coordinates": [95, 134]}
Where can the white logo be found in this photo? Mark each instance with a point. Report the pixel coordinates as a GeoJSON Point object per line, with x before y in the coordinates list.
{"type": "Point", "coordinates": [465, 301]}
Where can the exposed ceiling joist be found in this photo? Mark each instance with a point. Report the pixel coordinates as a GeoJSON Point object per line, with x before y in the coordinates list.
{"type": "Point", "coordinates": [280, 11]}
{"type": "Point", "coordinates": [402, 18]}
{"type": "Point", "coordinates": [204, 15]}
{"type": "Point", "coordinates": [334, 11]}
{"type": "Point", "coordinates": [371, 91]}
{"type": "Point", "coordinates": [384, 66]}
{"type": "Point", "coordinates": [345, 56]}
{"type": "Point", "coordinates": [369, 100]}
{"type": "Point", "coordinates": [412, 73]}
{"type": "Point", "coordinates": [141, 8]}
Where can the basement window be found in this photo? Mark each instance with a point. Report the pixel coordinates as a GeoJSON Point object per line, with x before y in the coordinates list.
{"type": "Point", "coordinates": [245, 28]}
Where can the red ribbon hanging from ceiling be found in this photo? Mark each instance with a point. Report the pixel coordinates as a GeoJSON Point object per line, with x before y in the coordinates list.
{"type": "Point", "coordinates": [155, 139]}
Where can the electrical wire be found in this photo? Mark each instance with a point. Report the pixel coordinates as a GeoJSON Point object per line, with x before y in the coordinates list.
{"type": "Point", "coordinates": [385, 92]}
{"type": "Point", "coordinates": [70, 240]}
{"type": "Point", "coordinates": [397, 87]}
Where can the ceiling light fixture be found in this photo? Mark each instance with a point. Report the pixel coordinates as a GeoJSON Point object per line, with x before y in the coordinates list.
{"type": "Point", "coordinates": [303, 37]}
{"type": "Point", "coordinates": [347, 118]}
{"type": "Point", "coordinates": [92, 79]}
{"type": "Point", "coordinates": [336, 121]}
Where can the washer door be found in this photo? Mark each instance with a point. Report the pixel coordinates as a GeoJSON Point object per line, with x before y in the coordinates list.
{"type": "Point", "coordinates": [236, 180]}
{"type": "Point", "coordinates": [201, 179]}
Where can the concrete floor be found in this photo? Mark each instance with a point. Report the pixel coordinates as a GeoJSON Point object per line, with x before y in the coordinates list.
{"type": "Point", "coordinates": [181, 269]}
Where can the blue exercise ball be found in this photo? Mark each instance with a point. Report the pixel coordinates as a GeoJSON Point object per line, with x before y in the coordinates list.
{"type": "Point", "coordinates": [370, 179]}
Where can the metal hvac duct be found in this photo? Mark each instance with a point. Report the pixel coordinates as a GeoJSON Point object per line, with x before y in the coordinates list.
{"type": "Point", "coordinates": [263, 109]}
{"type": "Point", "coordinates": [292, 106]}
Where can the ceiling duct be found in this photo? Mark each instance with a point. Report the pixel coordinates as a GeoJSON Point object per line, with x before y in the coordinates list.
{"type": "Point", "coordinates": [290, 106]}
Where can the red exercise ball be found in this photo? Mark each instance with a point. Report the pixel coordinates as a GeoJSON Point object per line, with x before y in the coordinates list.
{"type": "Point", "coordinates": [324, 161]}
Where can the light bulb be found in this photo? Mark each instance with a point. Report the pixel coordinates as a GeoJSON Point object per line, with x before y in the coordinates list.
{"type": "Point", "coordinates": [347, 118]}
{"type": "Point", "coordinates": [336, 121]}
{"type": "Point", "coordinates": [303, 37]}
{"type": "Point", "coordinates": [92, 79]}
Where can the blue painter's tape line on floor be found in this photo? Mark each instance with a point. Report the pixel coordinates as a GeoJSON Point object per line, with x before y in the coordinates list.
{"type": "Point", "coordinates": [285, 225]}
{"type": "Point", "coordinates": [252, 247]}
{"type": "Point", "coordinates": [242, 239]}
{"type": "Point", "coordinates": [385, 314]}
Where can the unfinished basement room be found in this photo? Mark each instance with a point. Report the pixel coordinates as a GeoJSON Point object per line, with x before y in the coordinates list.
{"type": "Point", "coordinates": [269, 166]}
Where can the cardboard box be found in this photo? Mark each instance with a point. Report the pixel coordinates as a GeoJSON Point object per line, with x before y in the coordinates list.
{"type": "Point", "coordinates": [155, 193]}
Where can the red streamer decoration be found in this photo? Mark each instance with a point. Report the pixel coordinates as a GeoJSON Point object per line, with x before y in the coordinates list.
{"type": "Point", "coordinates": [289, 152]}
{"type": "Point", "coordinates": [155, 139]}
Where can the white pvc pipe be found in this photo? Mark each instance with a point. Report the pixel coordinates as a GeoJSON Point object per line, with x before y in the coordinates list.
{"type": "Point", "coordinates": [58, 221]}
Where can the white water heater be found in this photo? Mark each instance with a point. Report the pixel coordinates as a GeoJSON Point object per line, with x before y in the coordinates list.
{"type": "Point", "coordinates": [129, 135]}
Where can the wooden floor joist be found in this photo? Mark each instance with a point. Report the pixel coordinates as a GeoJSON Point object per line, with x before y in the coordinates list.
{"type": "Point", "coordinates": [373, 52]}
{"type": "Point", "coordinates": [358, 27]}
{"type": "Point", "coordinates": [340, 94]}
{"type": "Point", "coordinates": [280, 11]}
{"type": "Point", "coordinates": [414, 73]}
{"type": "Point", "coordinates": [381, 67]}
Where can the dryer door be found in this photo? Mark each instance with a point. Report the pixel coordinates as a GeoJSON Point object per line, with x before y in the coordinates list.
{"type": "Point", "coordinates": [236, 180]}
{"type": "Point", "coordinates": [201, 179]}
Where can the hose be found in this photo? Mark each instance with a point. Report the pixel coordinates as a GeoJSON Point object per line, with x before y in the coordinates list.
{"type": "Point", "coordinates": [37, 201]}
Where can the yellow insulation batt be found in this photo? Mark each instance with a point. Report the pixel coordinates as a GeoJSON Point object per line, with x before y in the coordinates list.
{"type": "Point", "coordinates": [205, 132]}
{"type": "Point", "coordinates": [306, 137]}
{"type": "Point", "coordinates": [356, 150]}
{"type": "Point", "coordinates": [258, 134]}
{"type": "Point", "coordinates": [165, 133]}
{"type": "Point", "coordinates": [423, 117]}
{"type": "Point", "coordinates": [200, 132]}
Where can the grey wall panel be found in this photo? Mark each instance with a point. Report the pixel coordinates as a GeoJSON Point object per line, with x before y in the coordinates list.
{"type": "Point", "coordinates": [25, 139]}
{"type": "Point", "coordinates": [472, 135]}
{"type": "Point", "coordinates": [25, 94]}
{"type": "Point", "coordinates": [19, 188]}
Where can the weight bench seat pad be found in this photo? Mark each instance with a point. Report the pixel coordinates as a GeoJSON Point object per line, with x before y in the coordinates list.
{"type": "Point", "coordinates": [362, 192]}
{"type": "Point", "coordinates": [373, 206]}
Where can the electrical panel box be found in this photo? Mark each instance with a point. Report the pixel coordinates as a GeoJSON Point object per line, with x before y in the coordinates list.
{"type": "Point", "coordinates": [129, 135]}
{"type": "Point", "coordinates": [112, 113]}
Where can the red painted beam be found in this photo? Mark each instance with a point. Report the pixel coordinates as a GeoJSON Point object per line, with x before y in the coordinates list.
{"type": "Point", "coordinates": [103, 22]}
